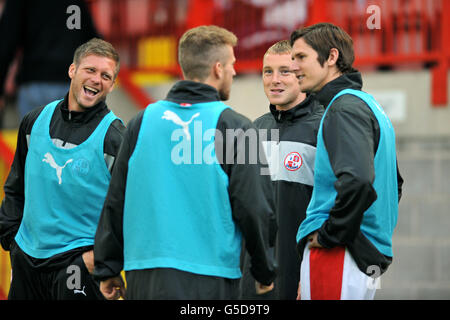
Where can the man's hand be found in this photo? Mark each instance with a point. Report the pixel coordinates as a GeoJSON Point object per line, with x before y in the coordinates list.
{"type": "Point", "coordinates": [88, 258]}
{"type": "Point", "coordinates": [261, 289]}
{"type": "Point", "coordinates": [113, 288]}
{"type": "Point", "coordinates": [313, 242]}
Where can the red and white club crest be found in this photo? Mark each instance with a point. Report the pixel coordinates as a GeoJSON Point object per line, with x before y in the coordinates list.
{"type": "Point", "coordinates": [293, 161]}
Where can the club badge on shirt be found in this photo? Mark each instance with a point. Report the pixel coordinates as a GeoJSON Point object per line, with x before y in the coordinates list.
{"type": "Point", "coordinates": [293, 161]}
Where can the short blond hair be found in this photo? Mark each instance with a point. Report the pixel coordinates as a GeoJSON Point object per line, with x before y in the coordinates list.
{"type": "Point", "coordinates": [280, 47]}
{"type": "Point", "coordinates": [97, 47]}
{"type": "Point", "coordinates": [199, 48]}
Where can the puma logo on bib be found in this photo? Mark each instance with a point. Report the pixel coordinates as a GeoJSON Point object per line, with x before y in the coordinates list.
{"type": "Point", "coordinates": [169, 115]}
{"type": "Point", "coordinates": [51, 161]}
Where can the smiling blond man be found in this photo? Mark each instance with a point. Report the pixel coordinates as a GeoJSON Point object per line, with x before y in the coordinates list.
{"type": "Point", "coordinates": [280, 84]}
{"type": "Point", "coordinates": [58, 182]}
{"type": "Point", "coordinates": [295, 118]}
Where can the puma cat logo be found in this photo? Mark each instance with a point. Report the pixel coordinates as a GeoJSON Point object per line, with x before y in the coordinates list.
{"type": "Point", "coordinates": [49, 159]}
{"type": "Point", "coordinates": [169, 115]}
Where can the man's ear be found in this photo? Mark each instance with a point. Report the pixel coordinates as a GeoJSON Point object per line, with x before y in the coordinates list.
{"type": "Point", "coordinates": [218, 70]}
{"type": "Point", "coordinates": [333, 57]}
{"type": "Point", "coordinates": [113, 86]}
{"type": "Point", "coordinates": [72, 69]}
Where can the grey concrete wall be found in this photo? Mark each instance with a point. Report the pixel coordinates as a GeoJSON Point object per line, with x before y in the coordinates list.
{"type": "Point", "coordinates": [421, 265]}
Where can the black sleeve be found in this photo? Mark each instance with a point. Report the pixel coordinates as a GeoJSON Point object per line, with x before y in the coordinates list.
{"type": "Point", "coordinates": [113, 139]}
{"type": "Point", "coordinates": [349, 133]}
{"type": "Point", "coordinates": [11, 211]}
{"type": "Point", "coordinates": [250, 191]}
{"type": "Point", "coordinates": [10, 33]}
{"type": "Point", "coordinates": [108, 245]}
{"type": "Point", "coordinates": [399, 183]}
{"type": "Point", "coordinates": [262, 123]}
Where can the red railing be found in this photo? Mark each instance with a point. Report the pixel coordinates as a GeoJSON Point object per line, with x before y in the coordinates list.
{"type": "Point", "coordinates": [6, 159]}
{"type": "Point", "coordinates": [6, 153]}
{"type": "Point", "coordinates": [411, 34]}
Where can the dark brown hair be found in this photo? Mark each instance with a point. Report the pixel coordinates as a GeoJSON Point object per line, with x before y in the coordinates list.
{"type": "Point", "coordinates": [322, 37]}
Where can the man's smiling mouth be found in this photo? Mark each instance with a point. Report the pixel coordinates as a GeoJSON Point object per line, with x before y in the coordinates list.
{"type": "Point", "coordinates": [90, 91]}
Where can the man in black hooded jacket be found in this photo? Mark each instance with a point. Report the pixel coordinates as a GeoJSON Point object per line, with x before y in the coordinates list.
{"type": "Point", "coordinates": [291, 128]}
{"type": "Point", "coordinates": [346, 235]}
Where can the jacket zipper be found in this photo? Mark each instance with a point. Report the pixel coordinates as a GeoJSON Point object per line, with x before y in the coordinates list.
{"type": "Point", "coordinates": [70, 118]}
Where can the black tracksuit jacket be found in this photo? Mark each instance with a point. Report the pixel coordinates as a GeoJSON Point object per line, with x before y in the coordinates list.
{"type": "Point", "coordinates": [298, 129]}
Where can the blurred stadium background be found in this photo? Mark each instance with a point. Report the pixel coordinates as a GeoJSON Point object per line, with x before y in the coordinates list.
{"type": "Point", "coordinates": [405, 64]}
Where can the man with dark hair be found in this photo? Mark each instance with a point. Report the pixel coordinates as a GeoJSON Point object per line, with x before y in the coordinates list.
{"type": "Point", "coordinates": [294, 118]}
{"type": "Point", "coordinates": [347, 234]}
{"type": "Point", "coordinates": [58, 182]}
{"type": "Point", "coordinates": [175, 213]}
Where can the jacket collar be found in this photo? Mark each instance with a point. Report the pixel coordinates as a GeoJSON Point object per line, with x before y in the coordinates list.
{"type": "Point", "coordinates": [77, 116]}
{"type": "Point", "coordinates": [303, 108]}
{"type": "Point", "coordinates": [186, 91]}
{"type": "Point", "coordinates": [351, 80]}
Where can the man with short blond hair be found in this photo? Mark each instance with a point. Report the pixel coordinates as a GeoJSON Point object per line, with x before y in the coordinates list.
{"type": "Point", "coordinates": [174, 221]}
{"type": "Point", "coordinates": [58, 182]}
{"type": "Point", "coordinates": [199, 48]}
{"type": "Point", "coordinates": [295, 117]}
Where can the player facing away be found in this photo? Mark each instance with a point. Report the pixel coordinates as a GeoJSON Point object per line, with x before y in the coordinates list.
{"type": "Point", "coordinates": [58, 182]}
{"type": "Point", "coordinates": [347, 234]}
{"type": "Point", "coordinates": [295, 118]}
{"type": "Point", "coordinates": [173, 221]}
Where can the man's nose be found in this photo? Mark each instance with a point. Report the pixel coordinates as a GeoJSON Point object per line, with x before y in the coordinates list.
{"type": "Point", "coordinates": [295, 67]}
{"type": "Point", "coordinates": [96, 77]}
{"type": "Point", "coordinates": [275, 77]}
